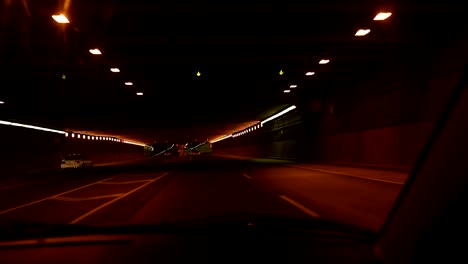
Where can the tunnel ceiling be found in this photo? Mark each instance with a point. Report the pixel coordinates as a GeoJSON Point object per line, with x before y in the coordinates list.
{"type": "Point", "coordinates": [238, 47]}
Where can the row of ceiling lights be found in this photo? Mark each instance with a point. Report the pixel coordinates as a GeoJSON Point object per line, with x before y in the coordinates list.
{"type": "Point", "coordinates": [69, 134]}
{"type": "Point", "coordinates": [62, 19]}
{"type": "Point", "coordinates": [256, 126]}
{"type": "Point", "coordinates": [90, 137]}
{"type": "Point", "coordinates": [361, 32]}
{"type": "Point", "coordinates": [102, 138]}
{"type": "Point", "coordinates": [246, 130]}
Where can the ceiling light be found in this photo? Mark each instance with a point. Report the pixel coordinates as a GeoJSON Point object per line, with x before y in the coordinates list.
{"type": "Point", "coordinates": [8, 123]}
{"type": "Point", "coordinates": [293, 86]}
{"type": "Point", "coordinates": [309, 73]}
{"type": "Point", "coordinates": [128, 83]}
{"type": "Point", "coordinates": [382, 16]}
{"type": "Point", "coordinates": [95, 51]}
{"type": "Point", "coordinates": [287, 91]}
{"type": "Point", "coordinates": [66, 134]}
{"type": "Point", "coordinates": [324, 61]}
{"type": "Point", "coordinates": [60, 19]}
{"type": "Point", "coordinates": [198, 73]}
{"type": "Point", "coordinates": [89, 137]}
{"type": "Point", "coordinates": [362, 32]}
{"type": "Point", "coordinates": [139, 93]}
{"type": "Point", "coordinates": [78, 136]}
{"type": "Point", "coordinates": [115, 70]}
{"type": "Point", "coordinates": [92, 137]}
{"type": "Point", "coordinates": [73, 135]}
{"type": "Point", "coordinates": [278, 114]}
{"type": "Point", "coordinates": [281, 72]}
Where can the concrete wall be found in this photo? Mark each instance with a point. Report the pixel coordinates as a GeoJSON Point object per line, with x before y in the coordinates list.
{"type": "Point", "coordinates": [383, 121]}
{"type": "Point", "coordinates": [23, 150]}
{"type": "Point", "coordinates": [102, 151]}
{"type": "Point", "coordinates": [28, 150]}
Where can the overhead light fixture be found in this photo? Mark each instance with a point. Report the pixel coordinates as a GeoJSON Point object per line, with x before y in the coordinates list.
{"type": "Point", "coordinates": [89, 137]}
{"type": "Point", "coordinates": [324, 61]}
{"type": "Point", "coordinates": [60, 19]}
{"type": "Point", "coordinates": [293, 86]}
{"type": "Point", "coordinates": [139, 93]}
{"type": "Point", "coordinates": [78, 136]}
{"type": "Point", "coordinates": [198, 73]}
{"type": "Point", "coordinates": [128, 83]}
{"type": "Point", "coordinates": [31, 127]}
{"type": "Point", "coordinates": [115, 70]}
{"type": "Point", "coordinates": [95, 51]}
{"type": "Point", "coordinates": [287, 91]}
{"type": "Point", "coordinates": [73, 135]}
{"type": "Point", "coordinates": [1, 102]}
{"type": "Point", "coordinates": [221, 138]}
{"type": "Point", "coordinates": [382, 15]}
{"type": "Point", "coordinates": [309, 73]}
{"type": "Point", "coordinates": [66, 134]}
{"type": "Point", "coordinates": [362, 32]}
{"type": "Point", "coordinates": [278, 114]}
{"type": "Point", "coordinates": [92, 137]}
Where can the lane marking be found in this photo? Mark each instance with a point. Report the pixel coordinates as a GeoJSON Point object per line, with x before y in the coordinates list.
{"type": "Point", "coordinates": [12, 186]}
{"type": "Point", "coordinates": [300, 206]}
{"type": "Point", "coordinates": [247, 176]}
{"type": "Point", "coordinates": [71, 199]}
{"type": "Point", "coordinates": [139, 175]}
{"type": "Point", "coordinates": [53, 196]}
{"type": "Point", "coordinates": [127, 182]}
{"type": "Point", "coordinates": [344, 174]}
{"type": "Point", "coordinates": [136, 175]}
{"type": "Point", "coordinates": [115, 200]}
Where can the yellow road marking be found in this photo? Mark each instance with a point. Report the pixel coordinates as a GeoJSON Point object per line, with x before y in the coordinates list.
{"type": "Point", "coordinates": [247, 176]}
{"type": "Point", "coordinates": [53, 196]}
{"type": "Point", "coordinates": [114, 200]}
{"type": "Point", "coordinates": [71, 199]}
{"type": "Point", "coordinates": [300, 206]}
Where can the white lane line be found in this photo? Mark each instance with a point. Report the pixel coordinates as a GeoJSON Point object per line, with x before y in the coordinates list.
{"type": "Point", "coordinates": [127, 182]}
{"type": "Point", "coordinates": [71, 199]}
{"type": "Point", "coordinates": [300, 206]}
{"type": "Point", "coordinates": [115, 200]}
{"type": "Point", "coordinates": [247, 176]}
{"type": "Point", "coordinates": [53, 196]}
{"type": "Point", "coordinates": [345, 174]}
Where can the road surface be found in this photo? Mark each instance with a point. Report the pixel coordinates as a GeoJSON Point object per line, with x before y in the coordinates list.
{"type": "Point", "coordinates": [152, 192]}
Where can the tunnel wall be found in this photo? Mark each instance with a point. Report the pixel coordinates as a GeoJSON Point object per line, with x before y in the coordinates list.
{"type": "Point", "coordinates": [102, 151]}
{"type": "Point", "coordinates": [383, 121]}
{"type": "Point", "coordinates": [284, 138]}
{"type": "Point", "coordinates": [28, 150]}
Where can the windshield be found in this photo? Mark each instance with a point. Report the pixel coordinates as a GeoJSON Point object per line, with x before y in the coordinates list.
{"type": "Point", "coordinates": [312, 111]}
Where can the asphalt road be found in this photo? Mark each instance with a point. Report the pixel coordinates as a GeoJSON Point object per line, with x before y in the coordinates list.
{"type": "Point", "coordinates": [152, 192]}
